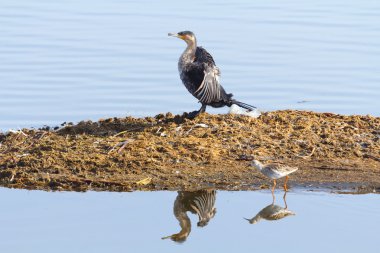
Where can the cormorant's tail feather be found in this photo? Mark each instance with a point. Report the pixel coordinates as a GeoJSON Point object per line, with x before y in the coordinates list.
{"type": "Point", "coordinates": [243, 105]}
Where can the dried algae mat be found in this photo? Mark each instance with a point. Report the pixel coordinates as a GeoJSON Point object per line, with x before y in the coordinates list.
{"type": "Point", "coordinates": [168, 152]}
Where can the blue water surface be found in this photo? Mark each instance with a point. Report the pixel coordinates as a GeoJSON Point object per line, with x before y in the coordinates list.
{"type": "Point", "coordinates": [36, 221]}
{"type": "Point", "coordinates": [77, 60]}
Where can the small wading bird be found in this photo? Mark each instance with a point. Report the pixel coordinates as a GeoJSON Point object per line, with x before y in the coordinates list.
{"type": "Point", "coordinates": [200, 76]}
{"type": "Point", "coordinates": [275, 171]}
{"type": "Point", "coordinates": [272, 212]}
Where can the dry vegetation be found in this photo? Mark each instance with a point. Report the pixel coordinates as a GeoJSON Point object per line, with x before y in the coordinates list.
{"type": "Point", "coordinates": [172, 152]}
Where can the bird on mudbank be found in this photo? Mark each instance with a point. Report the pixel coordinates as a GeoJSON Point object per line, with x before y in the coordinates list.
{"type": "Point", "coordinates": [275, 171]}
{"type": "Point", "coordinates": [200, 76]}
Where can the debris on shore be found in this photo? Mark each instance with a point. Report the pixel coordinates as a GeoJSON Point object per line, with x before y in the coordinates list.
{"type": "Point", "coordinates": [172, 152]}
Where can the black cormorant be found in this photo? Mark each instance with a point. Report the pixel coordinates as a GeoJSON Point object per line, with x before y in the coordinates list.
{"type": "Point", "coordinates": [200, 76]}
{"type": "Point", "coordinates": [201, 202]}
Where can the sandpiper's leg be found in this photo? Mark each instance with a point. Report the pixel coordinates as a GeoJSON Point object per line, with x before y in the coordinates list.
{"type": "Point", "coordinates": [274, 185]}
{"type": "Point", "coordinates": [284, 197]}
{"type": "Point", "coordinates": [285, 186]}
{"type": "Point", "coordinates": [273, 198]}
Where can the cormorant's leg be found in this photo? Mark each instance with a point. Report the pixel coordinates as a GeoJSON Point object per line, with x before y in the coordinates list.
{"type": "Point", "coordinates": [203, 108]}
{"type": "Point", "coordinates": [194, 114]}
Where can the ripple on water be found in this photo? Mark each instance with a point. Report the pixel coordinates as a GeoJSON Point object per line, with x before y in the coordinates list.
{"type": "Point", "coordinates": [78, 60]}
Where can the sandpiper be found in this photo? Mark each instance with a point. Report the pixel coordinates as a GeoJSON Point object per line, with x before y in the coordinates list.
{"type": "Point", "coordinates": [275, 171]}
{"type": "Point", "coordinates": [272, 212]}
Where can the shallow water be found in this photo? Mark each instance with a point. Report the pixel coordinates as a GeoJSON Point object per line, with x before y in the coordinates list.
{"type": "Point", "coordinates": [74, 60]}
{"type": "Point", "coordinates": [35, 221]}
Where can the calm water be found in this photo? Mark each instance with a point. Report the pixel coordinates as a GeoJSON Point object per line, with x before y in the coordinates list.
{"type": "Point", "coordinates": [33, 221]}
{"type": "Point", "coordinates": [73, 60]}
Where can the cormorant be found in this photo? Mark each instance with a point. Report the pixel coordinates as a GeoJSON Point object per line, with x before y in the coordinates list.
{"type": "Point", "coordinates": [200, 76]}
{"type": "Point", "coordinates": [201, 202]}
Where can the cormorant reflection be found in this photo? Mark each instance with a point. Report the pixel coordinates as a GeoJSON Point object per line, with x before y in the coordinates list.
{"type": "Point", "coordinates": [199, 202]}
{"type": "Point", "coordinates": [272, 212]}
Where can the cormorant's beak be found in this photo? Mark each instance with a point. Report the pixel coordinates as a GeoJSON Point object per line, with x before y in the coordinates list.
{"type": "Point", "coordinates": [166, 237]}
{"type": "Point", "coordinates": [176, 35]}
{"type": "Point", "coordinates": [173, 34]}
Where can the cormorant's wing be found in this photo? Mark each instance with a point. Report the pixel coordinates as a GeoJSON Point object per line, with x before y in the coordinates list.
{"type": "Point", "coordinates": [202, 56]}
{"type": "Point", "coordinates": [209, 90]}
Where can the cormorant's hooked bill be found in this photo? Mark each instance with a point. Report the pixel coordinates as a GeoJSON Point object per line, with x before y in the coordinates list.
{"type": "Point", "coordinates": [200, 76]}
{"type": "Point", "coordinates": [181, 34]}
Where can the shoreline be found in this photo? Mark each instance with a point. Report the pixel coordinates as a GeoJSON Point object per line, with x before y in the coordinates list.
{"type": "Point", "coordinates": [171, 152]}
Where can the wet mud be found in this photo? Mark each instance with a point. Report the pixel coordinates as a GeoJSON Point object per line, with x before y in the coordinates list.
{"type": "Point", "coordinates": [172, 152]}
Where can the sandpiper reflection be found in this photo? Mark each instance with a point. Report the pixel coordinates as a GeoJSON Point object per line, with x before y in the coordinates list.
{"type": "Point", "coordinates": [199, 202]}
{"type": "Point", "coordinates": [272, 212]}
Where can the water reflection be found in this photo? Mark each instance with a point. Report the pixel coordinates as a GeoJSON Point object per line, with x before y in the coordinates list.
{"type": "Point", "coordinates": [272, 212]}
{"type": "Point", "coordinates": [199, 202]}
{"type": "Point", "coordinates": [109, 222]}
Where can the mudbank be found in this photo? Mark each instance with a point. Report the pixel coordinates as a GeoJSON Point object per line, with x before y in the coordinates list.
{"type": "Point", "coordinates": [170, 152]}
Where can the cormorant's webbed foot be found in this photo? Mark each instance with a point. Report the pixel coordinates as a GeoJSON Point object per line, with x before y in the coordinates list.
{"type": "Point", "coordinates": [194, 114]}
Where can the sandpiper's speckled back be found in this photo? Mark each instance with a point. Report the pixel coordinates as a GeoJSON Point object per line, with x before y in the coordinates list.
{"type": "Point", "coordinates": [276, 171]}
{"type": "Point", "coordinates": [271, 212]}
